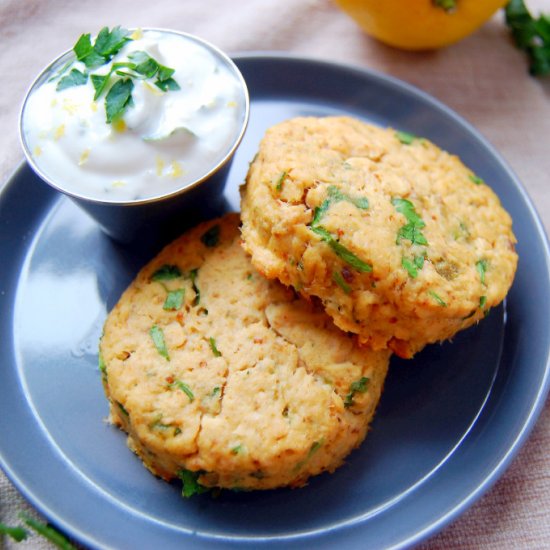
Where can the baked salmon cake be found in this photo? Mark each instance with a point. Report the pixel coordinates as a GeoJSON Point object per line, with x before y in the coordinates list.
{"type": "Point", "coordinates": [224, 378]}
{"type": "Point", "coordinates": [401, 241]}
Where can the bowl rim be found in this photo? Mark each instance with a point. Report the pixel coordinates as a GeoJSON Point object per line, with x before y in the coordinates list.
{"type": "Point", "coordinates": [64, 57]}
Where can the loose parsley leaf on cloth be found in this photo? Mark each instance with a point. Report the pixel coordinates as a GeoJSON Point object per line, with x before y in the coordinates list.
{"type": "Point", "coordinates": [48, 532]}
{"type": "Point", "coordinates": [190, 484]}
{"type": "Point", "coordinates": [531, 35]}
{"type": "Point", "coordinates": [16, 533]}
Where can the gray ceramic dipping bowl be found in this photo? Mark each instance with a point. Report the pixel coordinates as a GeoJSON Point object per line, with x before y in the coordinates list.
{"type": "Point", "coordinates": [152, 220]}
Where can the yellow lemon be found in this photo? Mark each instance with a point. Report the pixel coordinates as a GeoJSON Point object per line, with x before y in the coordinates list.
{"type": "Point", "coordinates": [420, 24]}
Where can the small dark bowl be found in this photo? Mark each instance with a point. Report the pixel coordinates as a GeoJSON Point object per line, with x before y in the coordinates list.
{"type": "Point", "coordinates": [157, 219]}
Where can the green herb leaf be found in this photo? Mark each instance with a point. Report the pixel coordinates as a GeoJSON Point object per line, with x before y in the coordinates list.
{"type": "Point", "coordinates": [315, 446]}
{"type": "Point", "coordinates": [118, 99]}
{"type": "Point", "coordinates": [215, 391]}
{"type": "Point", "coordinates": [144, 64]}
{"type": "Point", "coordinates": [412, 230]}
{"type": "Point", "coordinates": [193, 274]}
{"type": "Point", "coordinates": [482, 302]}
{"type": "Point", "coordinates": [191, 486]}
{"type": "Point", "coordinates": [99, 83]}
{"type": "Point", "coordinates": [335, 195]}
{"type": "Point", "coordinates": [280, 181]}
{"type": "Point", "coordinates": [413, 266]}
{"type": "Point", "coordinates": [237, 449]}
{"type": "Point", "coordinates": [405, 137]}
{"type": "Point", "coordinates": [165, 73]}
{"type": "Point", "coordinates": [359, 386]}
{"type": "Point", "coordinates": [74, 78]}
{"type": "Point", "coordinates": [531, 35]}
{"type": "Point", "coordinates": [447, 5]}
{"type": "Point", "coordinates": [211, 237]}
{"type": "Point", "coordinates": [48, 532]}
{"type": "Point", "coordinates": [475, 179]}
{"type": "Point", "coordinates": [102, 367]}
{"type": "Point", "coordinates": [213, 347]}
{"type": "Point", "coordinates": [157, 336]}
{"type": "Point", "coordinates": [437, 298]}
{"type": "Point", "coordinates": [16, 533]}
{"type": "Point", "coordinates": [166, 273]}
{"type": "Point", "coordinates": [340, 281]}
{"type": "Point", "coordinates": [109, 42]}
{"type": "Point", "coordinates": [167, 85]}
{"type": "Point", "coordinates": [122, 409]}
{"type": "Point", "coordinates": [85, 53]}
{"type": "Point", "coordinates": [184, 388]}
{"type": "Point", "coordinates": [341, 251]}
{"type": "Point", "coordinates": [174, 299]}
{"type": "Point", "coordinates": [481, 267]}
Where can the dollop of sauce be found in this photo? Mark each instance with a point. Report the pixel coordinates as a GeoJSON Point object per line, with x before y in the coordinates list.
{"type": "Point", "coordinates": [164, 141]}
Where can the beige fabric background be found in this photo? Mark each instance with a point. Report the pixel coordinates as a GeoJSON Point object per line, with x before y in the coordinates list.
{"type": "Point", "coordinates": [483, 78]}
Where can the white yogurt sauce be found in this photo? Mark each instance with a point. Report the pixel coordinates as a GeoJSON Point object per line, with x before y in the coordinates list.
{"type": "Point", "coordinates": [163, 142]}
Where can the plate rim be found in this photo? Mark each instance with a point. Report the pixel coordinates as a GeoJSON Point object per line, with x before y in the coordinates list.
{"type": "Point", "coordinates": [536, 405]}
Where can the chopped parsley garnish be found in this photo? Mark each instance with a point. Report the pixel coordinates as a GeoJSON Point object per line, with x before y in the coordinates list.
{"type": "Point", "coordinates": [447, 5]}
{"type": "Point", "coordinates": [413, 266]}
{"type": "Point", "coordinates": [482, 302]}
{"type": "Point", "coordinates": [211, 237]}
{"type": "Point", "coordinates": [48, 532]}
{"type": "Point", "coordinates": [174, 299]}
{"type": "Point", "coordinates": [121, 76]}
{"type": "Point", "coordinates": [341, 251]}
{"type": "Point", "coordinates": [405, 138]}
{"type": "Point", "coordinates": [315, 446]}
{"type": "Point", "coordinates": [530, 35]}
{"type": "Point", "coordinates": [237, 449]}
{"type": "Point", "coordinates": [213, 347]}
{"type": "Point", "coordinates": [437, 298]}
{"type": "Point", "coordinates": [335, 195]}
{"type": "Point", "coordinates": [74, 78]}
{"type": "Point", "coordinates": [190, 484]}
{"type": "Point", "coordinates": [193, 274]}
{"type": "Point", "coordinates": [412, 230]}
{"type": "Point", "coordinates": [215, 391]}
{"type": "Point", "coordinates": [16, 533]}
{"type": "Point", "coordinates": [359, 386]}
{"type": "Point", "coordinates": [280, 181]}
{"type": "Point", "coordinates": [475, 179]}
{"type": "Point", "coordinates": [166, 273]}
{"type": "Point", "coordinates": [157, 336]}
{"type": "Point", "coordinates": [184, 388]}
{"type": "Point", "coordinates": [340, 281]}
{"type": "Point", "coordinates": [481, 267]}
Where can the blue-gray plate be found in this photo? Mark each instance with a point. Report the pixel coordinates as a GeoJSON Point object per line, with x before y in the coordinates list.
{"type": "Point", "coordinates": [448, 424]}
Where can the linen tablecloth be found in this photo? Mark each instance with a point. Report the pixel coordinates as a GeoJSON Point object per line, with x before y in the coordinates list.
{"type": "Point", "coordinates": [484, 78]}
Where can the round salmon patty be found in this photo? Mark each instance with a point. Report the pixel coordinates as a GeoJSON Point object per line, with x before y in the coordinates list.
{"type": "Point", "coordinates": [401, 241]}
{"type": "Point", "coordinates": [225, 379]}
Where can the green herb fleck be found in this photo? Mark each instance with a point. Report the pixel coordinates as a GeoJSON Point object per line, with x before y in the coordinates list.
{"type": "Point", "coordinates": [102, 367]}
{"type": "Point", "coordinates": [166, 273]}
{"type": "Point", "coordinates": [315, 446]}
{"type": "Point", "coordinates": [74, 78]}
{"type": "Point", "coordinates": [123, 410]}
{"type": "Point", "coordinates": [413, 266]}
{"type": "Point", "coordinates": [530, 35]}
{"type": "Point", "coordinates": [48, 532]}
{"type": "Point", "coordinates": [405, 137]}
{"type": "Point", "coordinates": [339, 280]}
{"type": "Point", "coordinates": [412, 230]}
{"type": "Point", "coordinates": [174, 299]}
{"type": "Point", "coordinates": [482, 302]}
{"type": "Point", "coordinates": [437, 298]}
{"type": "Point", "coordinates": [359, 386]}
{"type": "Point", "coordinates": [215, 391]}
{"type": "Point", "coordinates": [213, 347]}
{"type": "Point", "coordinates": [237, 449]}
{"type": "Point", "coordinates": [249, 277]}
{"type": "Point", "coordinates": [184, 388]}
{"type": "Point", "coordinates": [118, 99]}
{"type": "Point", "coordinates": [281, 180]}
{"type": "Point", "coordinates": [211, 237]}
{"type": "Point", "coordinates": [475, 179]}
{"type": "Point", "coordinates": [341, 251]}
{"type": "Point", "coordinates": [191, 486]}
{"type": "Point", "coordinates": [157, 336]}
{"type": "Point", "coordinates": [193, 274]}
{"type": "Point", "coordinates": [109, 42]}
{"type": "Point", "coordinates": [16, 533]}
{"type": "Point", "coordinates": [335, 195]}
{"type": "Point", "coordinates": [481, 267]}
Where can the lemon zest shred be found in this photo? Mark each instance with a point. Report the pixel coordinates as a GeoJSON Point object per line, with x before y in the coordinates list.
{"type": "Point", "coordinates": [59, 132]}
{"type": "Point", "coordinates": [37, 151]}
{"type": "Point", "coordinates": [160, 166]}
{"type": "Point", "coordinates": [84, 157]}
{"type": "Point", "coordinates": [177, 170]}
